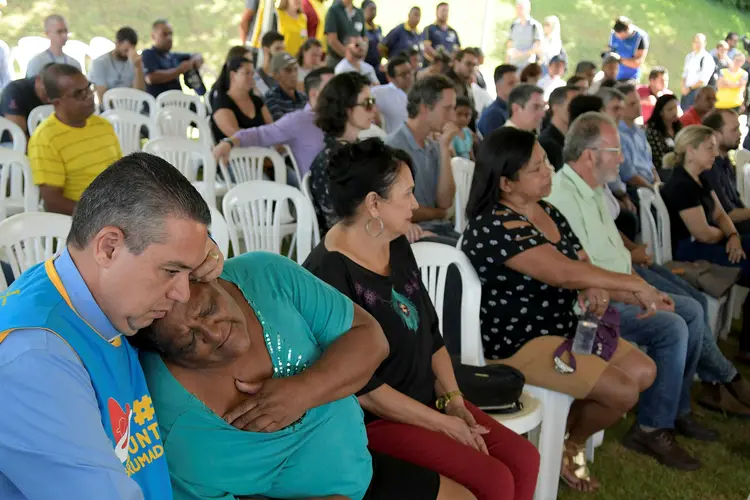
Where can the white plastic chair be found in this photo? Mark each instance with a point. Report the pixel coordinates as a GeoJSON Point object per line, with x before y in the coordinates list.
{"type": "Point", "coordinates": [246, 164]}
{"type": "Point", "coordinates": [186, 156]}
{"type": "Point", "coordinates": [129, 100]}
{"type": "Point", "coordinates": [305, 186]}
{"type": "Point", "coordinates": [255, 218]}
{"type": "Point", "coordinates": [128, 126]}
{"type": "Point", "coordinates": [38, 115]}
{"type": "Point", "coordinates": [16, 133]}
{"type": "Point", "coordinates": [31, 238]}
{"type": "Point", "coordinates": [219, 231]}
{"type": "Point", "coordinates": [290, 155]}
{"type": "Point", "coordinates": [26, 48]}
{"type": "Point", "coordinates": [742, 163]}
{"type": "Point", "coordinates": [98, 46]}
{"type": "Point", "coordinates": [373, 131]}
{"type": "Point", "coordinates": [177, 122]}
{"type": "Point", "coordinates": [17, 190]}
{"type": "Point", "coordinates": [78, 50]}
{"type": "Point", "coordinates": [179, 99]}
{"type": "Point", "coordinates": [463, 173]}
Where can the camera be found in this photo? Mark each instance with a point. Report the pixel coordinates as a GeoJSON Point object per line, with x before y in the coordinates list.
{"type": "Point", "coordinates": [746, 43]}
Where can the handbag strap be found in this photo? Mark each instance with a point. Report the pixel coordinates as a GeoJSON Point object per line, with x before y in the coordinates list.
{"type": "Point", "coordinates": [560, 365]}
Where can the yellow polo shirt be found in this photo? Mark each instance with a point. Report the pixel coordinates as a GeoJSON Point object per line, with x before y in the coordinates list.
{"type": "Point", "coordinates": [70, 157]}
{"type": "Point", "coordinates": [293, 29]}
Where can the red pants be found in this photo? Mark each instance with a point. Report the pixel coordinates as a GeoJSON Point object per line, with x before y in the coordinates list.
{"type": "Point", "coordinates": [509, 472]}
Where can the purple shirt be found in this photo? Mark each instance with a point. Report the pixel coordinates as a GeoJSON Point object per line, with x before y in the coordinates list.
{"type": "Point", "coordinates": [296, 129]}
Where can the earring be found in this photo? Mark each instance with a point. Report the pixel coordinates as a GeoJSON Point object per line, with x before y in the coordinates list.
{"type": "Point", "coordinates": [369, 231]}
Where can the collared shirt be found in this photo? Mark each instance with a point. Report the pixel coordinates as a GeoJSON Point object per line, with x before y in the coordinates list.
{"type": "Point", "coordinates": [296, 129]}
{"type": "Point", "coordinates": [365, 69]}
{"type": "Point", "coordinates": [446, 38]}
{"type": "Point", "coordinates": [280, 103]}
{"type": "Point", "coordinates": [586, 210]}
{"type": "Point", "coordinates": [493, 117]}
{"type": "Point", "coordinates": [391, 102]}
{"type": "Point", "coordinates": [111, 72]}
{"type": "Point", "coordinates": [698, 67]}
{"type": "Point", "coordinates": [722, 178]}
{"type": "Point", "coordinates": [523, 35]}
{"type": "Point", "coordinates": [154, 59]}
{"type": "Point", "coordinates": [636, 152]}
{"type": "Point", "coordinates": [46, 387]}
{"type": "Point", "coordinates": [341, 22]}
{"type": "Point", "coordinates": [374, 35]}
{"type": "Point", "coordinates": [690, 117]}
{"type": "Point", "coordinates": [44, 58]}
{"type": "Point", "coordinates": [549, 83]}
{"type": "Point", "coordinates": [402, 38]}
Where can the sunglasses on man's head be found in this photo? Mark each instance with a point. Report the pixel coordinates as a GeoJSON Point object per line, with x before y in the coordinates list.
{"type": "Point", "coordinates": [368, 103]}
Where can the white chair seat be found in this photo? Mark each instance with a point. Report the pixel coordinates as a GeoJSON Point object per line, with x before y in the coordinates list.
{"type": "Point", "coordinates": [128, 126]}
{"type": "Point", "coordinates": [525, 420]}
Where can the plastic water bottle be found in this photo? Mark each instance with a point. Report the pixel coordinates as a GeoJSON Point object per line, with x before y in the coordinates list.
{"type": "Point", "coordinates": [583, 342]}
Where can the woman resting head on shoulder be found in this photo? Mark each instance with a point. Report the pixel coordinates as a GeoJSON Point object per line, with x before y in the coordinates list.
{"type": "Point", "coordinates": [367, 257]}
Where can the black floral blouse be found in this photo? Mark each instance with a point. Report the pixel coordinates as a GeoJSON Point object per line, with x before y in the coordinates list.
{"type": "Point", "coordinates": [517, 308]}
{"type": "Point", "coordinates": [660, 144]}
{"type": "Point", "coordinates": [319, 179]}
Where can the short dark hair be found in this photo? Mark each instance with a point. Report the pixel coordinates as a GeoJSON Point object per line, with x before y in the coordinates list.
{"type": "Point", "coordinates": [656, 72]}
{"type": "Point", "coordinates": [532, 70]}
{"type": "Point", "coordinates": [609, 83]}
{"type": "Point", "coordinates": [416, 7]}
{"type": "Point", "coordinates": [238, 51]}
{"type": "Point", "coordinates": [731, 35]}
{"type": "Point", "coordinates": [715, 119]}
{"type": "Point", "coordinates": [463, 102]}
{"type": "Point", "coordinates": [408, 52]}
{"type": "Point", "coordinates": [126, 34]}
{"type": "Point", "coordinates": [309, 43]}
{"type": "Point", "coordinates": [458, 56]}
{"type": "Point", "coordinates": [521, 95]}
{"type": "Point", "coordinates": [502, 69]}
{"type": "Point", "coordinates": [338, 96]}
{"type": "Point", "coordinates": [159, 22]}
{"type": "Point", "coordinates": [609, 93]}
{"type": "Point", "coordinates": [395, 62]}
{"type": "Point", "coordinates": [426, 91]}
{"type": "Point", "coordinates": [583, 103]}
{"type": "Point", "coordinates": [575, 79]}
{"type": "Point", "coordinates": [622, 24]}
{"type": "Point", "coordinates": [441, 4]}
{"type": "Point", "coordinates": [270, 38]}
{"type": "Point", "coordinates": [359, 168]}
{"type": "Point", "coordinates": [136, 194]}
{"type": "Point", "coordinates": [625, 88]}
{"type": "Point", "coordinates": [559, 95]}
{"type": "Point", "coordinates": [314, 78]}
{"type": "Point", "coordinates": [585, 66]}
{"type": "Point", "coordinates": [51, 74]}
{"type": "Point", "coordinates": [503, 153]}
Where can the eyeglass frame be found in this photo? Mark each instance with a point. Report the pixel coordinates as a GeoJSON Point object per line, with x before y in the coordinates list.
{"type": "Point", "coordinates": [368, 104]}
{"type": "Point", "coordinates": [89, 89]}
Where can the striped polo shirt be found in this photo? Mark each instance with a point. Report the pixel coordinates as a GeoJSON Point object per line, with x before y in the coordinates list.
{"type": "Point", "coordinates": [71, 157]}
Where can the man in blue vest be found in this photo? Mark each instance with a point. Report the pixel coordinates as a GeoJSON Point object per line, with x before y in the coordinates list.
{"type": "Point", "coordinates": [77, 419]}
{"type": "Point", "coordinates": [631, 43]}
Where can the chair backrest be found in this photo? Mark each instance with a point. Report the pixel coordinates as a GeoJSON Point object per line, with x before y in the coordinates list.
{"type": "Point", "coordinates": [463, 173]}
{"type": "Point", "coordinates": [649, 228]}
{"type": "Point", "coordinates": [16, 134]}
{"type": "Point", "coordinates": [654, 213]}
{"type": "Point", "coordinates": [291, 157]}
{"type": "Point", "coordinates": [176, 122]}
{"type": "Point", "coordinates": [664, 225]}
{"type": "Point", "coordinates": [187, 156]}
{"type": "Point", "coordinates": [433, 260]}
{"type": "Point", "coordinates": [30, 238]}
{"type": "Point", "coordinates": [741, 160]}
{"type": "Point", "coordinates": [17, 190]}
{"type": "Point", "coordinates": [254, 213]}
{"type": "Point", "coordinates": [26, 48]}
{"type": "Point", "coordinates": [219, 231]}
{"type": "Point", "coordinates": [78, 50]}
{"type": "Point", "coordinates": [38, 115]}
{"type": "Point", "coordinates": [246, 164]}
{"type": "Point", "coordinates": [179, 99]}
{"type": "Point", "coordinates": [305, 185]}
{"type": "Point", "coordinates": [98, 46]}
{"type": "Point", "coordinates": [129, 100]}
{"type": "Point", "coordinates": [128, 125]}
{"type": "Point", "coordinates": [373, 131]}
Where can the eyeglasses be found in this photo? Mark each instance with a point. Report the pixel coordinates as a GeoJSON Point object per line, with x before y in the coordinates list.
{"type": "Point", "coordinates": [611, 150]}
{"type": "Point", "coordinates": [82, 94]}
{"type": "Point", "coordinates": [368, 104]}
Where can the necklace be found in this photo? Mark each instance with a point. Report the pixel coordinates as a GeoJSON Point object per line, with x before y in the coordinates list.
{"type": "Point", "coordinates": [118, 80]}
{"type": "Point", "coordinates": [53, 58]}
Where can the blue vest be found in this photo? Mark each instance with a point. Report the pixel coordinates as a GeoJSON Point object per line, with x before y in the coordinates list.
{"type": "Point", "coordinates": [41, 302]}
{"type": "Point", "coordinates": [626, 49]}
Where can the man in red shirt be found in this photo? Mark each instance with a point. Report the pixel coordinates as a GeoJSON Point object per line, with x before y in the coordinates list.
{"type": "Point", "coordinates": [658, 81]}
{"type": "Point", "coordinates": [703, 105]}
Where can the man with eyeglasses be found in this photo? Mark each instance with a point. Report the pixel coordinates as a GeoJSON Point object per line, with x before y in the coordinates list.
{"type": "Point", "coordinates": [73, 146]}
{"type": "Point", "coordinates": [56, 29]}
{"type": "Point", "coordinates": [392, 98]}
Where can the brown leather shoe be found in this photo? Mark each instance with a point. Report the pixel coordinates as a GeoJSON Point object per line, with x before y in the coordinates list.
{"type": "Point", "coordinates": [661, 445]}
{"type": "Point", "coordinates": [740, 389]}
{"type": "Point", "coordinates": [717, 397]}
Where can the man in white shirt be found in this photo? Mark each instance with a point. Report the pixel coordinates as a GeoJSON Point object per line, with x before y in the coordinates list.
{"type": "Point", "coordinates": [554, 78]}
{"type": "Point", "coordinates": [354, 59]}
{"type": "Point", "coordinates": [56, 29]}
{"type": "Point", "coordinates": [697, 71]}
{"type": "Point", "coordinates": [391, 99]}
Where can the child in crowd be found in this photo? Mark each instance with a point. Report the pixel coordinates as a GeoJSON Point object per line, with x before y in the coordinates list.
{"type": "Point", "coordinates": [463, 143]}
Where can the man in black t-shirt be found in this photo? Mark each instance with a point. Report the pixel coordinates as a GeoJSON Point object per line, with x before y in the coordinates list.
{"type": "Point", "coordinates": [19, 98]}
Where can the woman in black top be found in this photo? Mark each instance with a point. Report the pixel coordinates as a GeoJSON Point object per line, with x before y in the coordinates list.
{"type": "Point", "coordinates": [533, 272]}
{"type": "Point", "coordinates": [368, 258]}
{"type": "Point", "coordinates": [236, 107]}
{"type": "Point", "coordinates": [701, 229]}
{"type": "Point", "coordinates": [661, 130]}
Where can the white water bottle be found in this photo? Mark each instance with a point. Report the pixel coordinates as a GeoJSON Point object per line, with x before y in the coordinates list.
{"type": "Point", "coordinates": [583, 342]}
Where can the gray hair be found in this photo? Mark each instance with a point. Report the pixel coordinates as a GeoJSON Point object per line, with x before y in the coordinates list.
{"type": "Point", "coordinates": [427, 91]}
{"type": "Point", "coordinates": [607, 94]}
{"type": "Point", "coordinates": [52, 18]}
{"type": "Point", "coordinates": [136, 194]}
{"type": "Point", "coordinates": [521, 95]}
{"type": "Point", "coordinates": [585, 133]}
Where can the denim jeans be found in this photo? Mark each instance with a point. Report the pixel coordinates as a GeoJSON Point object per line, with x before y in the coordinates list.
{"type": "Point", "coordinates": [687, 100]}
{"type": "Point", "coordinates": [673, 341]}
{"type": "Point", "coordinates": [712, 365]}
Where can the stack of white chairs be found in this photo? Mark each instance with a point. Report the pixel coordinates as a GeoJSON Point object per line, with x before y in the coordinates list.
{"type": "Point", "coordinates": [128, 99]}
{"type": "Point", "coordinates": [219, 231]}
{"type": "Point", "coordinates": [78, 50]}
{"type": "Point", "coordinates": [463, 173]}
{"type": "Point", "coordinates": [180, 100]}
{"type": "Point", "coordinates": [128, 126]}
{"type": "Point", "coordinates": [305, 186]}
{"type": "Point", "coordinates": [98, 46]}
{"type": "Point", "coordinates": [17, 190]}
{"type": "Point", "coordinates": [26, 48]}
{"type": "Point", "coordinates": [18, 137]}
{"type": "Point", "coordinates": [742, 171]}
{"type": "Point", "coordinates": [180, 122]}
{"type": "Point", "coordinates": [38, 115]}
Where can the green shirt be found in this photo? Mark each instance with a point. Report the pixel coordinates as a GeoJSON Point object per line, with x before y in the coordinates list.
{"type": "Point", "coordinates": [338, 21]}
{"type": "Point", "coordinates": [325, 453]}
{"type": "Point", "coordinates": [588, 216]}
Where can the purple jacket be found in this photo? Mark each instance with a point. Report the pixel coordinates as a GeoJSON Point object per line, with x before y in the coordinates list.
{"type": "Point", "coordinates": [296, 129]}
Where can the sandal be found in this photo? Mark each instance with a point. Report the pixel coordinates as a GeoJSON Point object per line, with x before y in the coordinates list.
{"type": "Point", "coordinates": [575, 472]}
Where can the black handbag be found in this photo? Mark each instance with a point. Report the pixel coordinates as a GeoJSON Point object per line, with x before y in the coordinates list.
{"type": "Point", "coordinates": [494, 388]}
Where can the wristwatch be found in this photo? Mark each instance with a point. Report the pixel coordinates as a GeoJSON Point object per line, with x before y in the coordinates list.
{"type": "Point", "coordinates": [228, 140]}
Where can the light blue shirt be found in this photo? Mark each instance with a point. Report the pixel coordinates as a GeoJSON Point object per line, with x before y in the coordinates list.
{"type": "Point", "coordinates": [391, 102]}
{"type": "Point", "coordinates": [636, 153]}
{"type": "Point", "coordinates": [52, 443]}
{"type": "Point", "coordinates": [365, 69]}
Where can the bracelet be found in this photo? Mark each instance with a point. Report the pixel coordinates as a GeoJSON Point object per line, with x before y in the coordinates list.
{"type": "Point", "coordinates": [229, 141]}
{"type": "Point", "coordinates": [733, 234]}
{"type": "Point", "coordinates": [445, 400]}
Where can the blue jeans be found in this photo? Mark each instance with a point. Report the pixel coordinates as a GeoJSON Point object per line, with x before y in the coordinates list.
{"type": "Point", "coordinates": [712, 365]}
{"type": "Point", "coordinates": [673, 341]}
{"type": "Point", "coordinates": [687, 100]}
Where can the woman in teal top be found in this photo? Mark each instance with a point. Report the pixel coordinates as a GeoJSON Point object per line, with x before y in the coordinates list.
{"type": "Point", "coordinates": [270, 342]}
